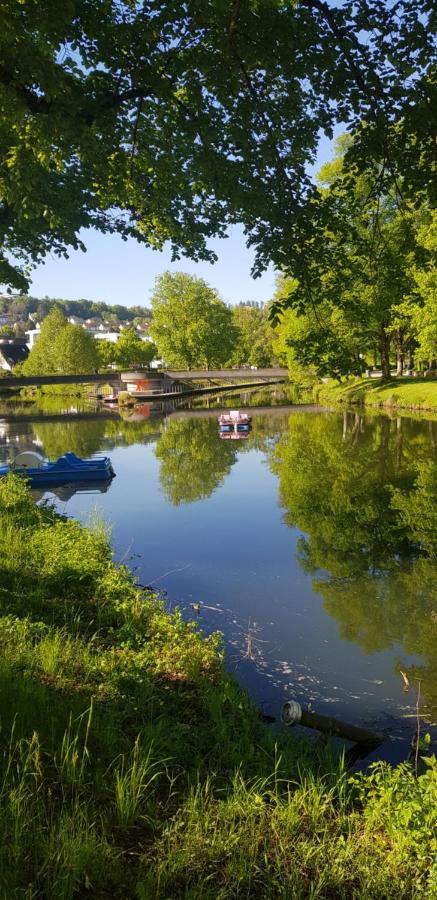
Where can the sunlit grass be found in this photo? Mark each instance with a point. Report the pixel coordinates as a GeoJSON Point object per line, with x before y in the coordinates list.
{"type": "Point", "coordinates": [132, 766]}
{"type": "Point", "coordinates": [407, 393]}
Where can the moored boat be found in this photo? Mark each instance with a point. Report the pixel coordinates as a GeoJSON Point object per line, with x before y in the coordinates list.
{"type": "Point", "coordinates": [233, 422]}
{"type": "Point", "coordinates": [68, 468]}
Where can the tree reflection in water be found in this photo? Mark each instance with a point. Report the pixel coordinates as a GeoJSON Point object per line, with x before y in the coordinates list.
{"type": "Point", "coordinates": [80, 437]}
{"type": "Point", "coordinates": [365, 495]}
{"type": "Point", "coordinates": [193, 461]}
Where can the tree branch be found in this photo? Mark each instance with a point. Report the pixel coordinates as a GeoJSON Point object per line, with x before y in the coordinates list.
{"type": "Point", "coordinates": [33, 102]}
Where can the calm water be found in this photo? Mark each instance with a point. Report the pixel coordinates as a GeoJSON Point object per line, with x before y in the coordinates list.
{"type": "Point", "coordinates": [304, 543]}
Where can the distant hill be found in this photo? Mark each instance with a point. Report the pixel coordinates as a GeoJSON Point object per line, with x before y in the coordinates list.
{"type": "Point", "coordinates": [23, 308]}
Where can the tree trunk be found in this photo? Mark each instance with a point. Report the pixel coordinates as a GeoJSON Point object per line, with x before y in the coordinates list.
{"type": "Point", "coordinates": [400, 354]}
{"type": "Point", "coordinates": [384, 348]}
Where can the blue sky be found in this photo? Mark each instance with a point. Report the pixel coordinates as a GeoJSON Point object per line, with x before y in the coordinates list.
{"type": "Point", "coordinates": [116, 271]}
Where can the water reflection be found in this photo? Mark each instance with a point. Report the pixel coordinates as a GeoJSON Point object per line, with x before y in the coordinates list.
{"type": "Point", "coordinates": [77, 436]}
{"type": "Point", "coordinates": [365, 495]}
{"type": "Point", "coordinates": [65, 492]}
{"type": "Point", "coordinates": [336, 588]}
{"type": "Point", "coordinates": [193, 460]}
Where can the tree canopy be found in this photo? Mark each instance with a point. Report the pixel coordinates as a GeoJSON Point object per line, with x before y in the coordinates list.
{"type": "Point", "coordinates": [254, 345]}
{"type": "Point", "coordinates": [129, 350]}
{"type": "Point", "coordinates": [191, 325]}
{"type": "Point", "coordinates": [368, 285]}
{"type": "Point", "coordinates": [167, 121]}
{"type": "Point", "coordinates": [75, 351]}
{"type": "Point", "coordinates": [61, 349]}
{"type": "Point", "coordinates": [43, 358]}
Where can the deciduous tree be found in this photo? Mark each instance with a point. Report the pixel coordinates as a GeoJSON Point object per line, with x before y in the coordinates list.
{"type": "Point", "coordinates": [106, 352]}
{"type": "Point", "coordinates": [191, 325]}
{"type": "Point", "coordinates": [130, 350]}
{"type": "Point", "coordinates": [75, 351]}
{"type": "Point", "coordinates": [169, 119]}
{"type": "Point", "coordinates": [357, 276]}
{"type": "Point", "coordinates": [43, 358]}
{"type": "Point", "coordinates": [255, 337]}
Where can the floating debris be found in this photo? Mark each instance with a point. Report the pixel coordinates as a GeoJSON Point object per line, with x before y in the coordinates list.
{"type": "Point", "coordinates": [405, 680]}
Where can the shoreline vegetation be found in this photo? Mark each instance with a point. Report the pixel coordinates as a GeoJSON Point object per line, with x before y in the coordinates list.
{"type": "Point", "coordinates": [133, 766]}
{"type": "Point", "coordinates": [417, 394]}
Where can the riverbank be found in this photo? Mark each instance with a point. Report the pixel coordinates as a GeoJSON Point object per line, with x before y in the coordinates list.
{"type": "Point", "coordinates": [399, 393]}
{"type": "Point", "coordinates": [133, 766]}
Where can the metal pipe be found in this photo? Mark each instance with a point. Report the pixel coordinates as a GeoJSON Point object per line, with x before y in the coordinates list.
{"type": "Point", "coordinates": [293, 714]}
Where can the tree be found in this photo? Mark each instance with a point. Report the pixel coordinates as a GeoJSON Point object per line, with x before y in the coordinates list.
{"type": "Point", "coordinates": [23, 306]}
{"type": "Point", "coordinates": [130, 350]}
{"type": "Point", "coordinates": [190, 324]}
{"type": "Point", "coordinates": [423, 315]}
{"type": "Point", "coordinates": [105, 352]}
{"type": "Point", "coordinates": [294, 328]}
{"type": "Point", "coordinates": [43, 358]}
{"type": "Point", "coordinates": [358, 272]}
{"type": "Point", "coordinates": [61, 349]}
{"type": "Point", "coordinates": [166, 121]}
{"type": "Point", "coordinates": [75, 351]}
{"type": "Point", "coordinates": [255, 337]}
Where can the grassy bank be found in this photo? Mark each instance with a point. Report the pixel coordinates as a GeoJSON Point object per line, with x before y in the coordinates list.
{"type": "Point", "coordinates": [402, 393]}
{"type": "Point", "coordinates": [133, 766]}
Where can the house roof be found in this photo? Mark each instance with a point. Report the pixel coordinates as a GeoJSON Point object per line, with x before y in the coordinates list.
{"type": "Point", "coordinates": [14, 353]}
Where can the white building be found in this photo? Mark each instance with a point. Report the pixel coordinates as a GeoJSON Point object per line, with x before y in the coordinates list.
{"type": "Point", "coordinates": [33, 335]}
{"type": "Point", "coordinates": [99, 333]}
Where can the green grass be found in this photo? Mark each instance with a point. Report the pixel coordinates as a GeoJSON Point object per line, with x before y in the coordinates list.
{"type": "Point", "coordinates": [399, 393]}
{"type": "Point", "coordinates": [132, 766]}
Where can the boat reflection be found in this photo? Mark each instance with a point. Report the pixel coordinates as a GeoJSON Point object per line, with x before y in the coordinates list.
{"type": "Point", "coordinates": [233, 435]}
{"type": "Point", "coordinates": [65, 492]}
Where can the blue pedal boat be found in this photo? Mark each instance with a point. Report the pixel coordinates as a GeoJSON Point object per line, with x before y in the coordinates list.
{"type": "Point", "coordinates": [67, 469]}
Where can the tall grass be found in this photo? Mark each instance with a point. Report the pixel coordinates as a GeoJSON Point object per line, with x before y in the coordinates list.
{"type": "Point", "coordinates": [134, 786]}
{"type": "Point", "coordinates": [132, 766]}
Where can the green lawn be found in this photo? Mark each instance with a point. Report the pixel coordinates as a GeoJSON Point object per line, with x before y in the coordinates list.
{"type": "Point", "coordinates": [403, 393]}
{"type": "Point", "coordinates": [132, 766]}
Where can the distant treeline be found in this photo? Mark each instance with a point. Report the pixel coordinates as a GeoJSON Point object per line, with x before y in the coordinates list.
{"type": "Point", "coordinates": [22, 307]}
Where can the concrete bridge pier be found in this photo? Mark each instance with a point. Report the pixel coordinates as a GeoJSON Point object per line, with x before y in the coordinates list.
{"type": "Point", "coordinates": [143, 383]}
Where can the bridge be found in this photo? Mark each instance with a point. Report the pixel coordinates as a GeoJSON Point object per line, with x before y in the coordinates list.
{"type": "Point", "coordinates": [147, 382]}
{"type": "Point", "coordinates": [236, 374]}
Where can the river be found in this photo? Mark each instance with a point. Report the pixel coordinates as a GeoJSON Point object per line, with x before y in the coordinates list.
{"type": "Point", "coordinates": [305, 543]}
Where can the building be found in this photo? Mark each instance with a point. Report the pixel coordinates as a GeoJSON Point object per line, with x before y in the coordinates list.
{"type": "Point", "coordinates": [76, 320]}
{"type": "Point", "coordinates": [95, 327]}
{"type": "Point", "coordinates": [12, 351]}
{"type": "Point", "coordinates": [33, 334]}
{"type": "Point", "coordinates": [111, 336]}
